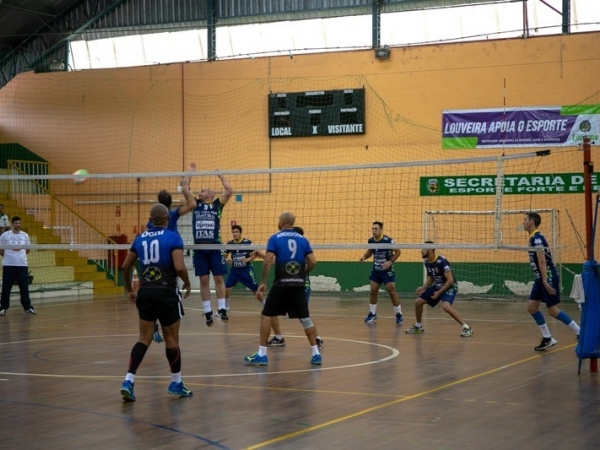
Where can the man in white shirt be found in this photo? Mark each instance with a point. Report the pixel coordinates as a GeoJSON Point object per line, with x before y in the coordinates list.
{"type": "Point", "coordinates": [14, 264]}
{"type": "Point", "coordinates": [4, 222]}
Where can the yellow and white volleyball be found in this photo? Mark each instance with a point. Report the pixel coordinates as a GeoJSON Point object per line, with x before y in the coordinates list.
{"type": "Point", "coordinates": [81, 176]}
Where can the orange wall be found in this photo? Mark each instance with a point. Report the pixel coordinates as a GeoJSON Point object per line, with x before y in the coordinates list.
{"type": "Point", "coordinates": [161, 118]}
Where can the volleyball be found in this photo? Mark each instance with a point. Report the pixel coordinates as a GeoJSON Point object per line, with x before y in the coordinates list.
{"type": "Point", "coordinates": [80, 174]}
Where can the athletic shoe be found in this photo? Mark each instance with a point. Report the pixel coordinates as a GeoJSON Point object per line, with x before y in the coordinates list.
{"type": "Point", "coordinates": [546, 343]}
{"type": "Point", "coordinates": [179, 389]}
{"type": "Point", "coordinates": [398, 317]}
{"type": "Point", "coordinates": [209, 319]}
{"type": "Point", "coordinates": [30, 311]}
{"type": "Point", "coordinates": [319, 343]}
{"type": "Point", "coordinates": [466, 332]}
{"type": "Point", "coordinates": [127, 391]}
{"type": "Point", "coordinates": [2, 312]}
{"type": "Point", "coordinates": [222, 313]}
{"type": "Point", "coordinates": [256, 360]}
{"type": "Point", "coordinates": [415, 330]}
{"type": "Point", "coordinates": [276, 342]}
{"type": "Point", "coordinates": [316, 360]}
{"type": "Point", "coordinates": [370, 318]}
{"type": "Point", "coordinates": [157, 337]}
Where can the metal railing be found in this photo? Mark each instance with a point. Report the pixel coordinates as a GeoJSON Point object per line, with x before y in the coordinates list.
{"type": "Point", "coordinates": [57, 217]}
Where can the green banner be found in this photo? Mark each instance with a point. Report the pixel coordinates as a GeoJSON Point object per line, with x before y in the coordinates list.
{"type": "Point", "coordinates": [545, 183]}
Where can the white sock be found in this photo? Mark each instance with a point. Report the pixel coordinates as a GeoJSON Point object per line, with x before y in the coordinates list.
{"type": "Point", "coordinates": [418, 324]}
{"type": "Point", "coordinates": [279, 336]}
{"type": "Point", "coordinates": [315, 349]}
{"type": "Point", "coordinates": [573, 326]}
{"type": "Point", "coordinates": [373, 308]}
{"type": "Point", "coordinates": [398, 309]}
{"type": "Point", "coordinates": [221, 303]}
{"type": "Point", "coordinates": [262, 351]}
{"type": "Point", "coordinates": [207, 306]}
{"type": "Point", "coordinates": [465, 326]}
{"type": "Point", "coordinates": [130, 377]}
{"type": "Point", "coordinates": [227, 304]}
{"type": "Point", "coordinates": [545, 331]}
{"type": "Point", "coordinates": [176, 377]}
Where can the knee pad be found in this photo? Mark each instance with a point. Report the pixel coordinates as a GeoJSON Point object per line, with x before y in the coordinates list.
{"type": "Point", "coordinates": [307, 323]}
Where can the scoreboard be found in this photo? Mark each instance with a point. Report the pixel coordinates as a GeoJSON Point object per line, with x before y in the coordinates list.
{"type": "Point", "coordinates": [317, 113]}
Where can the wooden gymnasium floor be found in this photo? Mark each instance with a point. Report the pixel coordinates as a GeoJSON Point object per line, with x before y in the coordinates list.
{"type": "Point", "coordinates": [378, 388]}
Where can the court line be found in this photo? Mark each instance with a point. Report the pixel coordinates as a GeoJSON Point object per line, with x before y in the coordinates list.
{"type": "Point", "coordinates": [394, 353]}
{"type": "Point", "coordinates": [401, 400]}
{"type": "Point", "coordinates": [124, 418]}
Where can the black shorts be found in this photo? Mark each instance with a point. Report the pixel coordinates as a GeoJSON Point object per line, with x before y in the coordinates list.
{"type": "Point", "coordinates": [290, 300]}
{"type": "Point", "coordinates": [162, 304]}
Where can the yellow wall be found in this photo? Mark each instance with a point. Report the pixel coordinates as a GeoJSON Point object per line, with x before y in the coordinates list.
{"type": "Point", "coordinates": [161, 118]}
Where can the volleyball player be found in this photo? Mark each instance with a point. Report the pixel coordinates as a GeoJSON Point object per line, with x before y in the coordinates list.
{"type": "Point", "coordinates": [294, 259]}
{"type": "Point", "coordinates": [440, 286]}
{"type": "Point", "coordinates": [546, 286]}
{"type": "Point", "coordinates": [382, 272]}
{"type": "Point", "coordinates": [160, 252]}
{"type": "Point", "coordinates": [241, 268]}
{"type": "Point", "coordinates": [206, 223]}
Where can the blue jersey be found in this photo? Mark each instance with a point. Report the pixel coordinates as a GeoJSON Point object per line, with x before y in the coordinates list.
{"type": "Point", "coordinates": [154, 249]}
{"type": "Point", "coordinates": [206, 222]}
{"type": "Point", "coordinates": [238, 256]}
{"type": "Point", "coordinates": [437, 269]}
{"type": "Point", "coordinates": [380, 256]}
{"type": "Point", "coordinates": [537, 240]}
{"type": "Point", "coordinates": [290, 249]}
{"type": "Point", "coordinates": [172, 225]}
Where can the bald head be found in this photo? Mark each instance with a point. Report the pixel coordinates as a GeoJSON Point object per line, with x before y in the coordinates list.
{"type": "Point", "coordinates": [159, 215]}
{"type": "Point", "coordinates": [286, 220]}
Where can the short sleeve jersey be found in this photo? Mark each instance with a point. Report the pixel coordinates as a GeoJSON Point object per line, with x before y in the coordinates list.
{"type": "Point", "coordinates": [173, 218]}
{"type": "Point", "coordinates": [290, 249]}
{"type": "Point", "coordinates": [380, 256]}
{"type": "Point", "coordinates": [15, 256]}
{"type": "Point", "coordinates": [538, 240]}
{"type": "Point", "coordinates": [206, 222]}
{"type": "Point", "coordinates": [437, 269]}
{"type": "Point", "coordinates": [238, 256]}
{"type": "Point", "coordinates": [154, 249]}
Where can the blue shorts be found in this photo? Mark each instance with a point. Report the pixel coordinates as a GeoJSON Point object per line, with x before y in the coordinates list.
{"type": "Point", "coordinates": [207, 261]}
{"type": "Point", "coordinates": [245, 276]}
{"type": "Point", "coordinates": [447, 296]}
{"type": "Point", "coordinates": [383, 276]}
{"type": "Point", "coordinates": [540, 294]}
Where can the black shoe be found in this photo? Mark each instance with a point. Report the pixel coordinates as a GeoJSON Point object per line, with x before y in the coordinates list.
{"type": "Point", "coordinates": [546, 343]}
{"type": "Point", "coordinates": [209, 319]}
{"type": "Point", "coordinates": [222, 313]}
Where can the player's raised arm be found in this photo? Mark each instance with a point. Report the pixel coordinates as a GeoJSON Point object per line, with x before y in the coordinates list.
{"type": "Point", "coordinates": [190, 201]}
{"type": "Point", "coordinates": [227, 189]}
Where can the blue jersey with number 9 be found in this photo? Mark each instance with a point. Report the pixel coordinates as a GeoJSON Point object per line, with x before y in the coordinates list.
{"type": "Point", "coordinates": [154, 248]}
{"type": "Point", "coordinates": [290, 249]}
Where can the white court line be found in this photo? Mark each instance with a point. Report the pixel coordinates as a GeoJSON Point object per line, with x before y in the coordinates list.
{"type": "Point", "coordinates": [394, 352]}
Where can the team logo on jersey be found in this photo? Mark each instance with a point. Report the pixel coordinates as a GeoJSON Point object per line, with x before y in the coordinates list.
{"type": "Point", "coordinates": [293, 268]}
{"type": "Point", "coordinates": [433, 186]}
{"type": "Point", "coordinates": [152, 273]}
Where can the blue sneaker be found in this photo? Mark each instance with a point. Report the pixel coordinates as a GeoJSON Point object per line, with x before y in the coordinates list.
{"type": "Point", "coordinates": [256, 360]}
{"type": "Point", "coordinates": [179, 389]}
{"type": "Point", "coordinates": [316, 360]}
{"type": "Point", "coordinates": [127, 391]}
{"type": "Point", "coordinates": [370, 318]}
{"type": "Point", "coordinates": [398, 317]}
